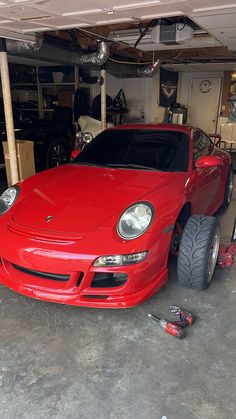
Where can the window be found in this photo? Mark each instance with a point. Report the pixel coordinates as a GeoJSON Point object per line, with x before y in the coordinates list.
{"type": "Point", "coordinates": [202, 145]}
{"type": "Point", "coordinates": [138, 149]}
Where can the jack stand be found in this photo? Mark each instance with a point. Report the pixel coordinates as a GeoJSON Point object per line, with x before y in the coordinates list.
{"type": "Point", "coordinates": [227, 253]}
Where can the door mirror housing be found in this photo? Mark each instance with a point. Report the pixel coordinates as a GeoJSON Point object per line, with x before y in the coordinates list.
{"type": "Point", "coordinates": [75, 153]}
{"type": "Point", "coordinates": [208, 161]}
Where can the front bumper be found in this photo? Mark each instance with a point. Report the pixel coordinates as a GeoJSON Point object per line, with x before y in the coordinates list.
{"type": "Point", "coordinates": [61, 273]}
{"type": "Point", "coordinates": [82, 295]}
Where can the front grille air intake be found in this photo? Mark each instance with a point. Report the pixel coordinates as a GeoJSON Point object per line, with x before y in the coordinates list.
{"type": "Point", "coordinates": [44, 275]}
{"type": "Point", "coordinates": [108, 280]}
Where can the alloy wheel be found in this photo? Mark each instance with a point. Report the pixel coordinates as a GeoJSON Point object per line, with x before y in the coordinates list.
{"type": "Point", "coordinates": [214, 250]}
{"type": "Point", "coordinates": [58, 155]}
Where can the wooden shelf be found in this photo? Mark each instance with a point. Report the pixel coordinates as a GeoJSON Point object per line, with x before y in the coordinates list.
{"type": "Point", "coordinates": [82, 84]}
{"type": "Point", "coordinates": [24, 84]}
{"type": "Point", "coordinates": [36, 109]}
{"type": "Point", "coordinates": [56, 84]}
{"type": "Point", "coordinates": [29, 109]}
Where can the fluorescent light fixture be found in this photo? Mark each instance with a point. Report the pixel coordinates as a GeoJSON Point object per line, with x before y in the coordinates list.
{"type": "Point", "coordinates": [209, 9]}
{"type": "Point", "coordinates": [2, 3]}
{"type": "Point", "coordinates": [137, 5]}
{"type": "Point", "coordinates": [39, 29]}
{"type": "Point", "coordinates": [84, 12]}
{"type": "Point", "coordinates": [108, 21]}
{"type": "Point", "coordinates": [26, 19]}
{"type": "Point", "coordinates": [74, 25]}
{"type": "Point", "coordinates": [158, 15]}
{"type": "Point", "coordinates": [127, 38]}
{"type": "Point", "coordinates": [5, 21]}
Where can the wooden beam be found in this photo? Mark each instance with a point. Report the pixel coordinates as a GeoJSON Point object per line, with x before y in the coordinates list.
{"type": "Point", "coordinates": [88, 42]}
{"type": "Point", "coordinates": [123, 50]}
{"type": "Point", "coordinates": [179, 55]}
{"type": "Point", "coordinates": [7, 102]}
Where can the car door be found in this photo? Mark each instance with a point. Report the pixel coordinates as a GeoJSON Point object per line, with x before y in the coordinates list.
{"type": "Point", "coordinates": [205, 182]}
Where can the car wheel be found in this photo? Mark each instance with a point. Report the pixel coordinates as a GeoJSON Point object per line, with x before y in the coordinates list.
{"type": "Point", "coordinates": [198, 251]}
{"type": "Point", "coordinates": [58, 153]}
{"type": "Point", "coordinates": [175, 240]}
{"type": "Point", "coordinates": [228, 189]}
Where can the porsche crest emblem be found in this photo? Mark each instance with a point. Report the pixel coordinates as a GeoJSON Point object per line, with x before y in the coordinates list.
{"type": "Point", "coordinates": [49, 218]}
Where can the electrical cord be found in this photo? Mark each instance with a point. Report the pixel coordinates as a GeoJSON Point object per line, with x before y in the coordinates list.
{"type": "Point", "coordinates": [129, 62]}
{"type": "Point", "coordinates": [178, 55]}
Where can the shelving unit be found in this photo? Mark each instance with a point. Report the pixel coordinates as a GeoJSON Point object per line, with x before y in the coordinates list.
{"type": "Point", "coordinates": [44, 92]}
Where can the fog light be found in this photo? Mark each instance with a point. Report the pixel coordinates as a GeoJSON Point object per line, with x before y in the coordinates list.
{"type": "Point", "coordinates": [120, 260]}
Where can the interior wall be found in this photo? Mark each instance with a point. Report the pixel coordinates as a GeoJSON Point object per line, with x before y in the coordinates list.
{"type": "Point", "coordinates": [142, 94]}
{"type": "Point", "coordinates": [185, 79]}
{"type": "Point", "coordinates": [184, 87]}
{"type": "Point", "coordinates": [138, 94]}
{"type": "Point", "coordinates": [158, 112]}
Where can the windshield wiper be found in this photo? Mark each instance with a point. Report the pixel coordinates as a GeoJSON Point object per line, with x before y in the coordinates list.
{"type": "Point", "coordinates": [85, 163]}
{"type": "Point", "coordinates": [131, 166]}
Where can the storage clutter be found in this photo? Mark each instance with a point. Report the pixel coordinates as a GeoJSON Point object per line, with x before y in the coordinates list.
{"type": "Point", "coordinates": [25, 159]}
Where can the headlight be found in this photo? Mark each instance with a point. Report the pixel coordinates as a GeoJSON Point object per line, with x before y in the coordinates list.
{"type": "Point", "coordinates": [119, 260]}
{"type": "Point", "coordinates": [78, 135]}
{"type": "Point", "coordinates": [135, 220]}
{"type": "Point", "coordinates": [87, 137]}
{"type": "Point", "coordinates": [8, 198]}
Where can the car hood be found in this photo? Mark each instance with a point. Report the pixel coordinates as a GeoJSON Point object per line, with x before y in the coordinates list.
{"type": "Point", "coordinates": [79, 199]}
{"type": "Point", "coordinates": [89, 124]}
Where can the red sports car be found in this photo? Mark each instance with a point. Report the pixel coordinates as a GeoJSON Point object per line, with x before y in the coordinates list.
{"type": "Point", "coordinates": [98, 231]}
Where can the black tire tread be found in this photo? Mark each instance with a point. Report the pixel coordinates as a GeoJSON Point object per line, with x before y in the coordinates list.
{"type": "Point", "coordinates": [194, 251]}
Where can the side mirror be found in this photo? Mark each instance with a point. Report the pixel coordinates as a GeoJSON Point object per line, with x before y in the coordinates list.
{"type": "Point", "coordinates": [75, 153]}
{"type": "Point", "coordinates": [208, 161]}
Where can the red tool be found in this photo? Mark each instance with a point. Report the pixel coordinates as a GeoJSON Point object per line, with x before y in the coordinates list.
{"type": "Point", "coordinates": [186, 318]}
{"type": "Point", "coordinates": [227, 253]}
{"type": "Point", "coordinates": [169, 327]}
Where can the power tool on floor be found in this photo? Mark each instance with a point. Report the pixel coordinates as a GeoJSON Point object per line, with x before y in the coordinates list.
{"type": "Point", "coordinates": [186, 318]}
{"type": "Point", "coordinates": [169, 327]}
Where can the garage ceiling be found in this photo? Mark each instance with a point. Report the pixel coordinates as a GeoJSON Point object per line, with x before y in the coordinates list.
{"type": "Point", "coordinates": [121, 21]}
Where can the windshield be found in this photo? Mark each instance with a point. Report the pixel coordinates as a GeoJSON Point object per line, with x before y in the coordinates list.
{"type": "Point", "coordinates": [138, 149]}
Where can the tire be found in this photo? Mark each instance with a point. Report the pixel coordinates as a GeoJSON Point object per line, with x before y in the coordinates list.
{"type": "Point", "coordinates": [228, 189]}
{"type": "Point", "coordinates": [198, 252]}
{"type": "Point", "coordinates": [58, 153]}
{"type": "Point", "coordinates": [175, 239]}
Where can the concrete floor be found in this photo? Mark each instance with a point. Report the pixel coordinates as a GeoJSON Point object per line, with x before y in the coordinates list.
{"type": "Point", "coordinates": [65, 362]}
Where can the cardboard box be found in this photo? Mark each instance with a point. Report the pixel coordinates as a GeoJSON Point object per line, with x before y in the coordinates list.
{"type": "Point", "coordinates": [65, 98]}
{"type": "Point", "coordinates": [25, 159]}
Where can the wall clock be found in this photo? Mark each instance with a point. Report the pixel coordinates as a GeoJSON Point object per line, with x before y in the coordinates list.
{"type": "Point", "coordinates": [205, 86]}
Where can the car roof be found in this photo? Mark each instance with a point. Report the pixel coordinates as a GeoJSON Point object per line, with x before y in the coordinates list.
{"type": "Point", "coordinates": [162, 127]}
